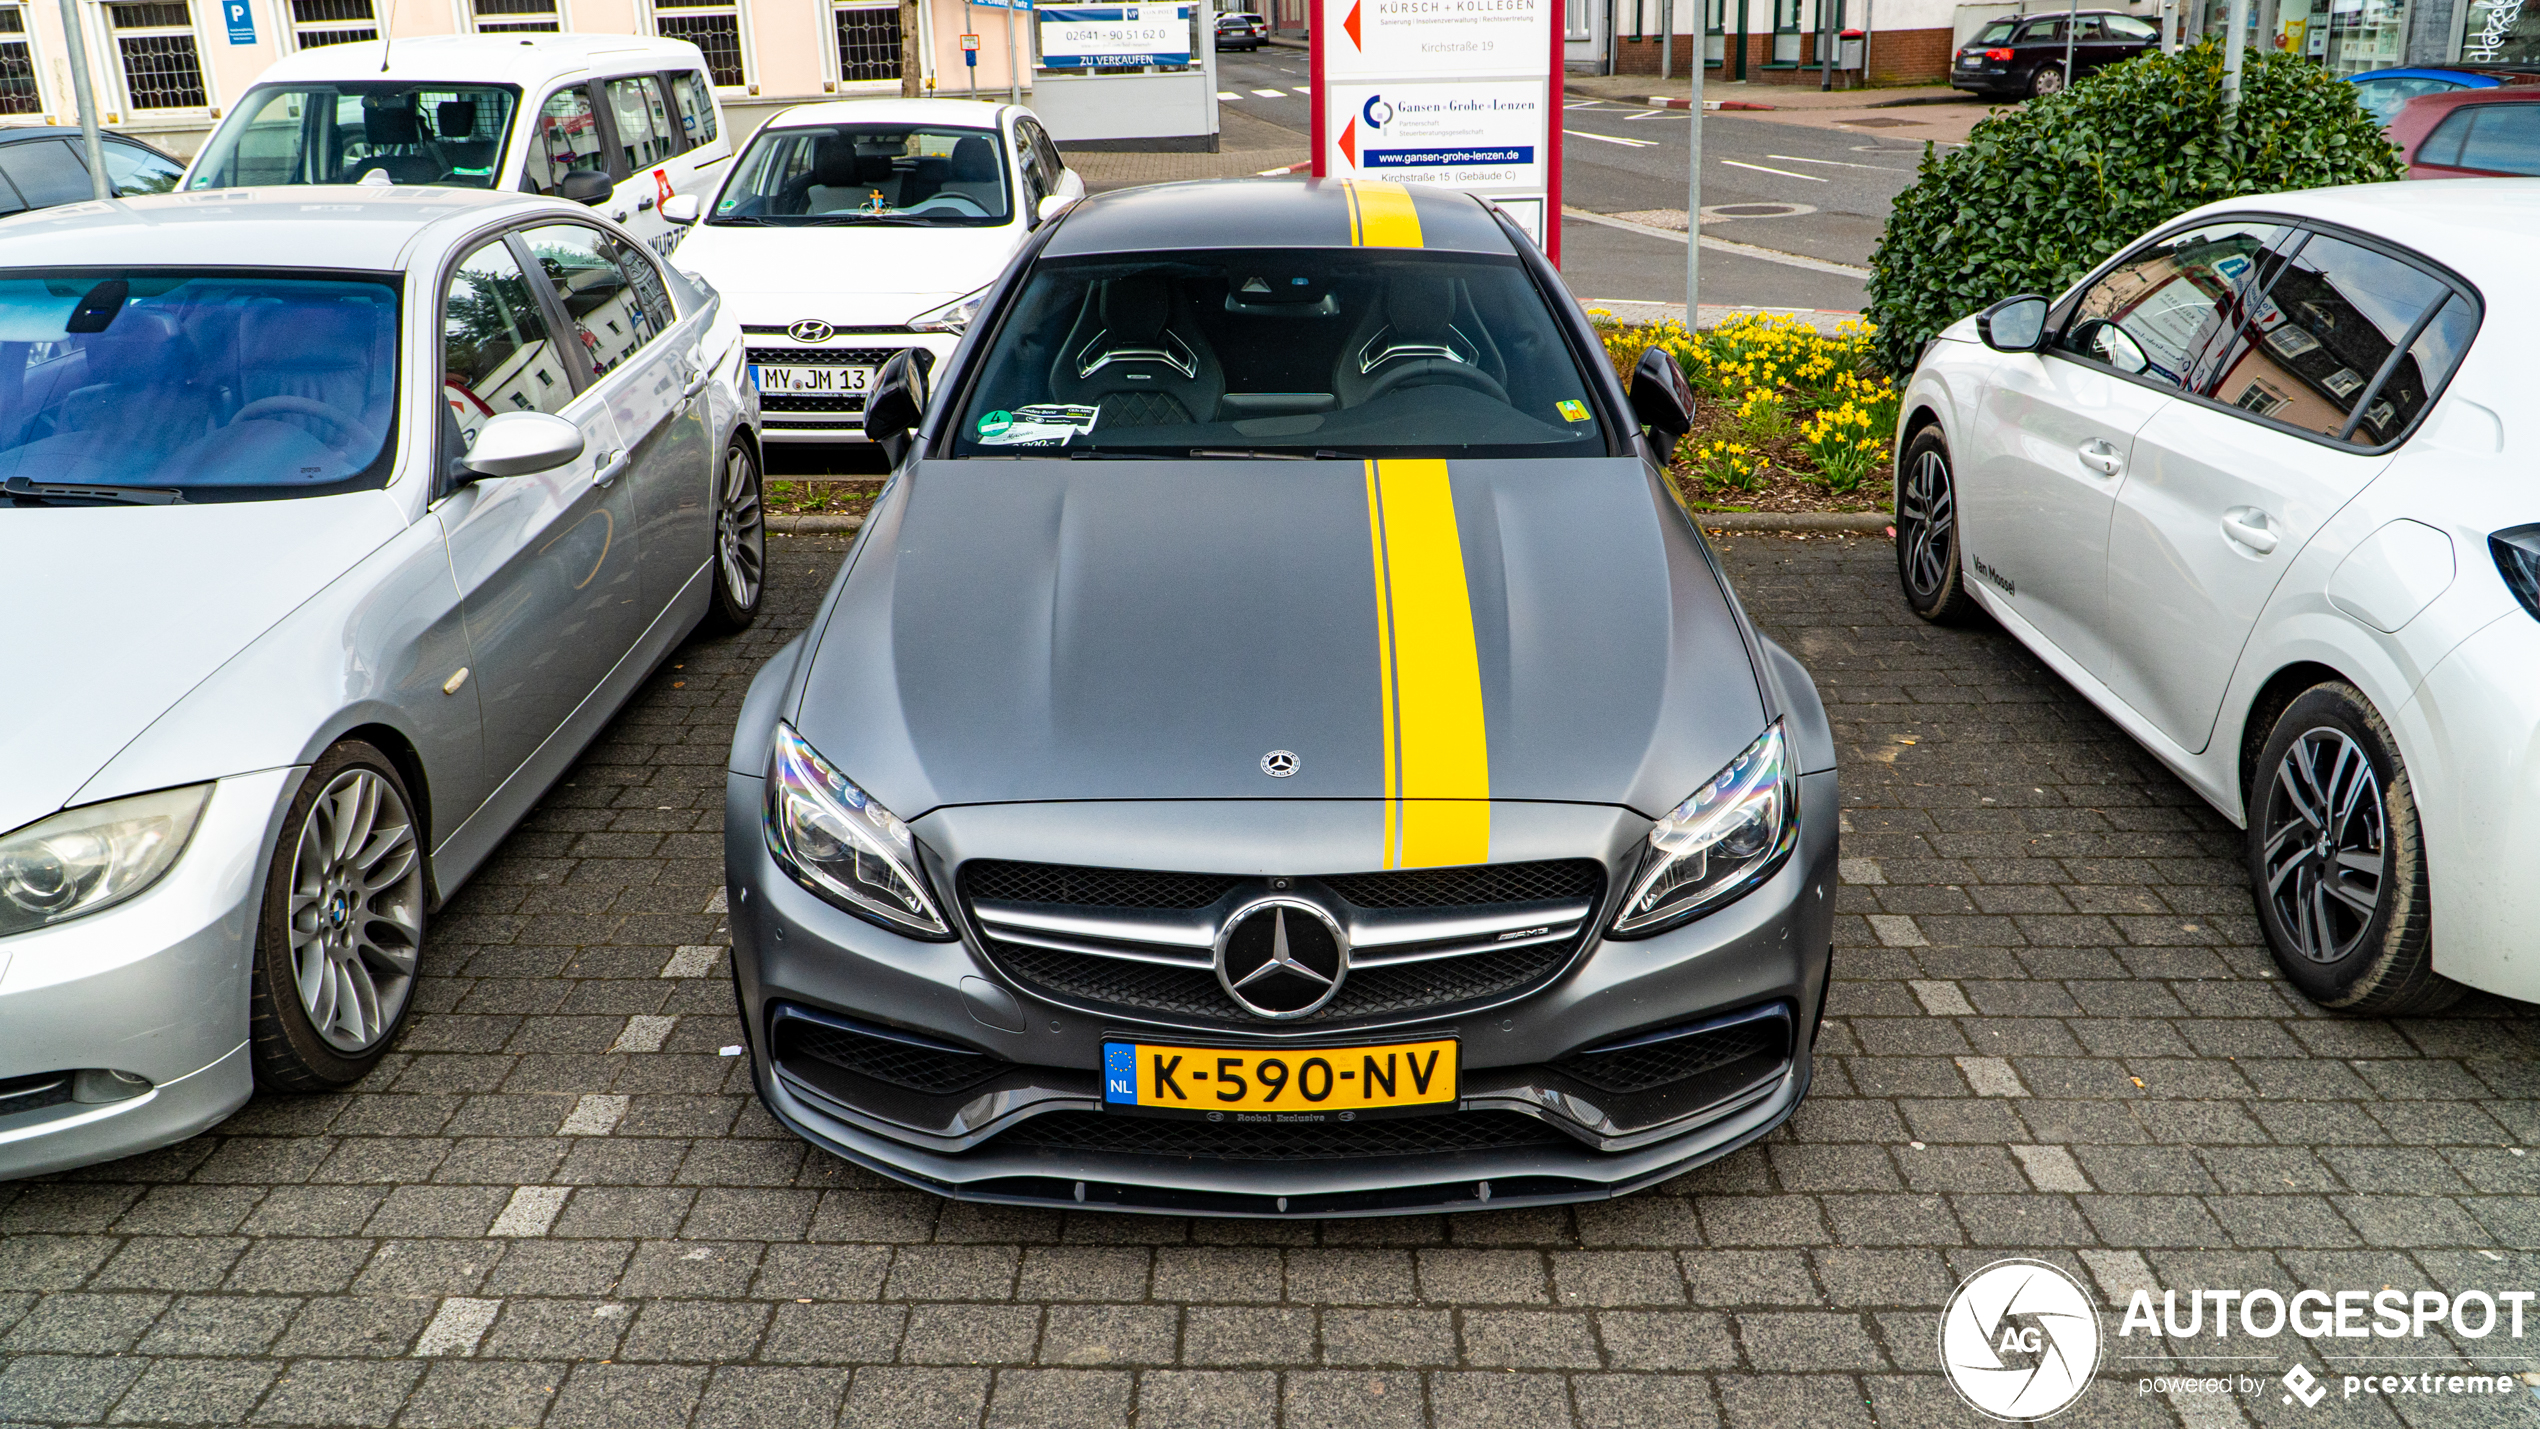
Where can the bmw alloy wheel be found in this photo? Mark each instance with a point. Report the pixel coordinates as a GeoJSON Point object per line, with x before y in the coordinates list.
{"type": "Point", "coordinates": [1927, 523]}
{"type": "Point", "coordinates": [356, 910]}
{"type": "Point", "coordinates": [2325, 850]}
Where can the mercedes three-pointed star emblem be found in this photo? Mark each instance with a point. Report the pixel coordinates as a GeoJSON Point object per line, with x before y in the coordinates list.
{"type": "Point", "coordinates": [1282, 958]}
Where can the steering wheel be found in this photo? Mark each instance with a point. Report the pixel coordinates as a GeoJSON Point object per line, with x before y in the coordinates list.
{"type": "Point", "coordinates": [351, 428]}
{"type": "Point", "coordinates": [1426, 370]}
{"type": "Point", "coordinates": [969, 207]}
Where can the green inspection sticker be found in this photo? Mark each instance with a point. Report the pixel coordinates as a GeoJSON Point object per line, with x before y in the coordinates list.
{"type": "Point", "coordinates": [1572, 411]}
{"type": "Point", "coordinates": [995, 423]}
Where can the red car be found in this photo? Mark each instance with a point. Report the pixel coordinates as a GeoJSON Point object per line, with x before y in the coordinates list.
{"type": "Point", "coordinates": [2470, 134]}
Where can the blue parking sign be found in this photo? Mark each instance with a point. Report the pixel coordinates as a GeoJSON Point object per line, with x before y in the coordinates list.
{"type": "Point", "coordinates": [242, 21]}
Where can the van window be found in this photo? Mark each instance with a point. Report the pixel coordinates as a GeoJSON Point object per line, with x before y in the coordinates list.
{"type": "Point", "coordinates": [338, 132]}
{"type": "Point", "coordinates": [696, 107]}
{"type": "Point", "coordinates": [567, 139]}
{"type": "Point", "coordinates": [646, 134]}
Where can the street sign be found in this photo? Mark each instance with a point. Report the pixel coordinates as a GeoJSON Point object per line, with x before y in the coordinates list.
{"type": "Point", "coordinates": [970, 50]}
{"type": "Point", "coordinates": [1466, 95]}
{"type": "Point", "coordinates": [1098, 36]}
{"type": "Point", "coordinates": [241, 21]}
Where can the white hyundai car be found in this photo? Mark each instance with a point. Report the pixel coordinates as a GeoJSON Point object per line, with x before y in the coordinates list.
{"type": "Point", "coordinates": [850, 231]}
{"type": "Point", "coordinates": [2254, 487]}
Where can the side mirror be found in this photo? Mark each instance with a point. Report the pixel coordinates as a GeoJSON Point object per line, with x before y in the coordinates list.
{"type": "Point", "coordinates": [2014, 324]}
{"type": "Point", "coordinates": [1662, 399]}
{"type": "Point", "coordinates": [681, 209]}
{"type": "Point", "coordinates": [898, 402]}
{"type": "Point", "coordinates": [518, 443]}
{"type": "Point", "coordinates": [1051, 207]}
{"type": "Point", "coordinates": [586, 186]}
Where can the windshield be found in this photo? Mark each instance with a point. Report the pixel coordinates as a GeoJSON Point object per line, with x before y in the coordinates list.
{"type": "Point", "coordinates": [1348, 352]}
{"type": "Point", "coordinates": [868, 174]}
{"type": "Point", "coordinates": [218, 385]}
{"type": "Point", "coordinates": [339, 132]}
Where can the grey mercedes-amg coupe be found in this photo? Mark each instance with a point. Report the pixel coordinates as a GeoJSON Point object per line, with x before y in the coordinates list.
{"type": "Point", "coordinates": [1278, 747]}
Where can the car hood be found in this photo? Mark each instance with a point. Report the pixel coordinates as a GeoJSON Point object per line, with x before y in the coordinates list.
{"type": "Point", "coordinates": [847, 277]}
{"type": "Point", "coordinates": [1045, 630]}
{"type": "Point", "coordinates": [122, 609]}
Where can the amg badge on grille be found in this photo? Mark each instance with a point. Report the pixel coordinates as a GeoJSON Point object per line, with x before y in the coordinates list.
{"type": "Point", "coordinates": [1281, 958]}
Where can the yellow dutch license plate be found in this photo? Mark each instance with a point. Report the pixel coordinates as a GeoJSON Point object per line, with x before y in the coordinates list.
{"type": "Point", "coordinates": [1283, 1083]}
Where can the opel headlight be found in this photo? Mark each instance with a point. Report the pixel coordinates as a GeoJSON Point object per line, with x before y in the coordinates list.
{"type": "Point", "coordinates": [837, 842]}
{"type": "Point", "coordinates": [81, 860]}
{"type": "Point", "coordinates": [951, 317]}
{"type": "Point", "coordinates": [1717, 844]}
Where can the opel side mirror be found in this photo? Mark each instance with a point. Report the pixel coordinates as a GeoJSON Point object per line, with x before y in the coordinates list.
{"type": "Point", "coordinates": [1662, 399]}
{"type": "Point", "coordinates": [681, 209]}
{"type": "Point", "coordinates": [585, 186]}
{"type": "Point", "coordinates": [2014, 324]}
{"type": "Point", "coordinates": [898, 402]}
{"type": "Point", "coordinates": [518, 443]}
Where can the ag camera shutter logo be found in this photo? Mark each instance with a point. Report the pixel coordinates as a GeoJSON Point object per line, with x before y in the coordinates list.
{"type": "Point", "coordinates": [2019, 1341]}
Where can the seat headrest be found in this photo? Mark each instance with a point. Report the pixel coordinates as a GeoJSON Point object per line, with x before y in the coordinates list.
{"type": "Point", "coordinates": [974, 161]}
{"type": "Point", "coordinates": [308, 337]}
{"type": "Point", "coordinates": [833, 163]}
{"type": "Point", "coordinates": [873, 170]}
{"type": "Point", "coordinates": [383, 124]}
{"type": "Point", "coordinates": [1135, 308]}
{"type": "Point", "coordinates": [456, 118]}
{"type": "Point", "coordinates": [138, 350]}
{"type": "Point", "coordinates": [1420, 305]}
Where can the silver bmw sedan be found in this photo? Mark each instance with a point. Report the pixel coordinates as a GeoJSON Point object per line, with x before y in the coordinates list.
{"type": "Point", "coordinates": [1279, 748]}
{"type": "Point", "coordinates": [336, 523]}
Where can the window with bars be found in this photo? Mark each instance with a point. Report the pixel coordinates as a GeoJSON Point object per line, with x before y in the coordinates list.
{"type": "Point", "coordinates": [316, 24]}
{"type": "Point", "coordinates": [713, 26]}
{"type": "Point", "coordinates": [154, 41]}
{"type": "Point", "coordinates": [494, 17]}
{"type": "Point", "coordinates": [868, 42]}
{"type": "Point", "coordinates": [18, 92]}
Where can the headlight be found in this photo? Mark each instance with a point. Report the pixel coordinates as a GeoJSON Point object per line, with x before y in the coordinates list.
{"type": "Point", "coordinates": [838, 843]}
{"type": "Point", "coordinates": [951, 317]}
{"type": "Point", "coordinates": [81, 860]}
{"type": "Point", "coordinates": [1717, 844]}
{"type": "Point", "coordinates": [2517, 554]}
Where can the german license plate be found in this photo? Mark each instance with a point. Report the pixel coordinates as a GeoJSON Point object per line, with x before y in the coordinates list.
{"type": "Point", "coordinates": [814, 379]}
{"type": "Point", "coordinates": [1287, 1083]}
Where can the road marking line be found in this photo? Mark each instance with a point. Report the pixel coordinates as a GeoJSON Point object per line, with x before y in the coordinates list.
{"type": "Point", "coordinates": [457, 1326]}
{"type": "Point", "coordinates": [1940, 999]}
{"type": "Point", "coordinates": [596, 1114]}
{"type": "Point", "coordinates": [1271, 93]}
{"type": "Point", "coordinates": [1228, 94]}
{"type": "Point", "coordinates": [1722, 245]}
{"type": "Point", "coordinates": [717, 903]}
{"type": "Point", "coordinates": [531, 1211]}
{"type": "Point", "coordinates": [1992, 1077]}
{"type": "Point", "coordinates": [1840, 164]}
{"type": "Point", "coordinates": [692, 960]}
{"type": "Point", "coordinates": [644, 1034]}
{"type": "Point", "coordinates": [1785, 173]}
{"type": "Point", "coordinates": [1612, 139]}
{"type": "Point", "coordinates": [1658, 114]}
{"type": "Point", "coordinates": [2052, 1168]}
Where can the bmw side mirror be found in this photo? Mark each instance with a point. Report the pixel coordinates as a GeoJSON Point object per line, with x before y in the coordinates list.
{"type": "Point", "coordinates": [1661, 398]}
{"type": "Point", "coordinates": [680, 209]}
{"type": "Point", "coordinates": [898, 402]}
{"type": "Point", "coordinates": [518, 443]}
{"type": "Point", "coordinates": [2014, 324]}
{"type": "Point", "coordinates": [585, 186]}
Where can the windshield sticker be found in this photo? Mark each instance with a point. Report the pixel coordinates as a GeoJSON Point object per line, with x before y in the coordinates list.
{"type": "Point", "coordinates": [1572, 410]}
{"type": "Point", "coordinates": [1046, 424]}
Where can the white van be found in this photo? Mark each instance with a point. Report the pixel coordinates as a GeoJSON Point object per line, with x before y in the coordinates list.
{"type": "Point", "coordinates": [616, 122]}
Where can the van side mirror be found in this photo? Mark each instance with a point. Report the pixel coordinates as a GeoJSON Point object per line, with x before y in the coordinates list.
{"type": "Point", "coordinates": [681, 209]}
{"type": "Point", "coordinates": [898, 402]}
{"type": "Point", "coordinates": [585, 186]}
{"type": "Point", "coordinates": [1662, 399]}
{"type": "Point", "coordinates": [2014, 324]}
{"type": "Point", "coordinates": [518, 443]}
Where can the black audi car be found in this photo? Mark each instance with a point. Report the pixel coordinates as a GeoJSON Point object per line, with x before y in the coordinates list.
{"type": "Point", "coordinates": [1241, 30]}
{"type": "Point", "coordinates": [2025, 56]}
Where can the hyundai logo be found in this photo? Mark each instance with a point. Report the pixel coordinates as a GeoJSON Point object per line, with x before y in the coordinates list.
{"type": "Point", "coordinates": [810, 330]}
{"type": "Point", "coordinates": [1281, 958]}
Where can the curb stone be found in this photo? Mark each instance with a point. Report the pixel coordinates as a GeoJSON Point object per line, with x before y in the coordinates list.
{"type": "Point", "coordinates": [1864, 523]}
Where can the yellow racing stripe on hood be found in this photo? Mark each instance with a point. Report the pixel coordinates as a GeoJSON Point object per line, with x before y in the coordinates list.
{"type": "Point", "coordinates": [1436, 745]}
{"type": "Point", "coordinates": [1381, 215]}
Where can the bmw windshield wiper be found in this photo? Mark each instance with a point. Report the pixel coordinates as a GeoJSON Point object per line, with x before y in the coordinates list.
{"type": "Point", "coordinates": [48, 491]}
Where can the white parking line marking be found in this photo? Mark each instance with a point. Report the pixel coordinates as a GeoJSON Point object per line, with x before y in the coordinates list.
{"type": "Point", "coordinates": [1941, 999]}
{"type": "Point", "coordinates": [644, 1034]}
{"type": "Point", "coordinates": [1612, 139]}
{"type": "Point", "coordinates": [596, 1114]}
{"type": "Point", "coordinates": [1785, 173]}
{"type": "Point", "coordinates": [2120, 1272]}
{"type": "Point", "coordinates": [1992, 1077]}
{"type": "Point", "coordinates": [1271, 93]}
{"type": "Point", "coordinates": [531, 1210]}
{"type": "Point", "coordinates": [1658, 114]}
{"type": "Point", "coordinates": [1721, 245]}
{"type": "Point", "coordinates": [692, 960]}
{"type": "Point", "coordinates": [717, 903]}
{"type": "Point", "coordinates": [2052, 1168]}
{"type": "Point", "coordinates": [457, 1326]}
{"type": "Point", "coordinates": [1850, 870]}
{"type": "Point", "coordinates": [1840, 164]}
{"type": "Point", "coordinates": [1897, 930]}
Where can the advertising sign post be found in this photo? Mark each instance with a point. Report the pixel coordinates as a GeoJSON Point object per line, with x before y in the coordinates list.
{"type": "Point", "coordinates": [1465, 93]}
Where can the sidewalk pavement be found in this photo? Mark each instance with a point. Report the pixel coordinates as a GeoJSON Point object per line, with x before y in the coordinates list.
{"type": "Point", "coordinates": [1246, 146]}
{"type": "Point", "coordinates": [1934, 112]}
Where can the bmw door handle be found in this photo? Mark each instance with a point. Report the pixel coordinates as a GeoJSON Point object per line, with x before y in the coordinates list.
{"type": "Point", "coordinates": [2102, 457]}
{"type": "Point", "coordinates": [2248, 526]}
{"type": "Point", "coordinates": [610, 469]}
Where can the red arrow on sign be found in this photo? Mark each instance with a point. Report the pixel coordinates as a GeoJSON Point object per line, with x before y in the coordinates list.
{"type": "Point", "coordinates": [1349, 143]}
{"type": "Point", "coordinates": [1351, 26]}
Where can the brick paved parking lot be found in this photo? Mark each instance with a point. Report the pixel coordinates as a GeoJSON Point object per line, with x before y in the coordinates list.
{"type": "Point", "coordinates": [2054, 1034]}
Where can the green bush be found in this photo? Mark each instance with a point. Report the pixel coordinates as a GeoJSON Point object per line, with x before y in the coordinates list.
{"type": "Point", "coordinates": [2041, 194]}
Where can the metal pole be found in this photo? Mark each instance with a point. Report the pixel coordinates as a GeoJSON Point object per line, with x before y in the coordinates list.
{"type": "Point", "coordinates": [1693, 203]}
{"type": "Point", "coordinates": [2072, 20]}
{"type": "Point", "coordinates": [1013, 61]}
{"type": "Point", "coordinates": [87, 99]}
{"type": "Point", "coordinates": [1666, 39]}
{"type": "Point", "coordinates": [1825, 53]}
{"type": "Point", "coordinates": [2235, 48]}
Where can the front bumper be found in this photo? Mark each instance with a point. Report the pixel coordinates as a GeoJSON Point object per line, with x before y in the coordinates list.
{"type": "Point", "coordinates": [805, 417]}
{"type": "Point", "coordinates": [796, 956]}
{"type": "Point", "coordinates": [155, 988]}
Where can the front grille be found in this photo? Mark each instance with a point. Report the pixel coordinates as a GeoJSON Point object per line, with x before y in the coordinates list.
{"type": "Point", "coordinates": [1639, 1065]}
{"type": "Point", "coordinates": [19, 1094]}
{"type": "Point", "coordinates": [1120, 963]}
{"type": "Point", "coordinates": [805, 402]}
{"type": "Point", "coordinates": [1093, 1131]}
{"type": "Point", "coordinates": [932, 1071]}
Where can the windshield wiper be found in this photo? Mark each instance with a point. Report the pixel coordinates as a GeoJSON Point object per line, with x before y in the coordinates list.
{"type": "Point", "coordinates": [47, 491]}
{"type": "Point", "coordinates": [739, 220]}
{"type": "Point", "coordinates": [1266, 454]}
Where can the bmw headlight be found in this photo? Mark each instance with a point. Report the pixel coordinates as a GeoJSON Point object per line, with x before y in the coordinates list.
{"type": "Point", "coordinates": [81, 860]}
{"type": "Point", "coordinates": [1717, 844]}
{"type": "Point", "coordinates": [951, 317]}
{"type": "Point", "coordinates": [837, 842]}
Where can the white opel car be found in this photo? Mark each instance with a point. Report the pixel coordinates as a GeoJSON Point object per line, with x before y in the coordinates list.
{"type": "Point", "coordinates": [2258, 487]}
{"type": "Point", "coordinates": [853, 230]}
{"type": "Point", "coordinates": [340, 520]}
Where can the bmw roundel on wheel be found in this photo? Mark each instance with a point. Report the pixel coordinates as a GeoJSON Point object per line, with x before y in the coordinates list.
{"type": "Point", "coordinates": [1278, 747]}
